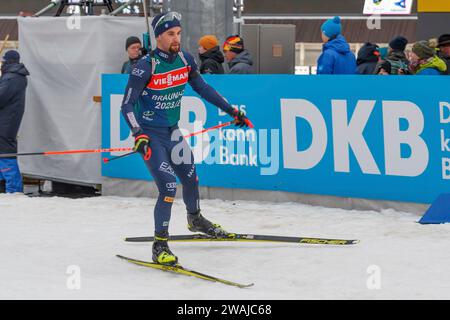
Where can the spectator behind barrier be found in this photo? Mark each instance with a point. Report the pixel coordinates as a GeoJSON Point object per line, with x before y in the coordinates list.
{"type": "Point", "coordinates": [368, 57]}
{"type": "Point", "coordinates": [383, 68]}
{"type": "Point", "coordinates": [133, 46]}
{"type": "Point", "coordinates": [239, 60]}
{"type": "Point", "coordinates": [13, 84]}
{"type": "Point", "coordinates": [210, 55]}
{"type": "Point", "coordinates": [396, 56]}
{"type": "Point", "coordinates": [425, 62]}
{"type": "Point", "coordinates": [444, 50]}
{"type": "Point", "coordinates": [336, 57]}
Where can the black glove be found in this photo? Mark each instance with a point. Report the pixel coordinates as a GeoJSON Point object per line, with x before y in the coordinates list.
{"type": "Point", "coordinates": [241, 120]}
{"type": "Point", "coordinates": [141, 146]}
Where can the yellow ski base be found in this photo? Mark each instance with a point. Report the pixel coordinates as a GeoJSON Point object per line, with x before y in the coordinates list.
{"type": "Point", "coordinates": [180, 270]}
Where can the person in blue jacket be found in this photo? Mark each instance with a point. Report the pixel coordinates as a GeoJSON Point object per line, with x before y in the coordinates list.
{"type": "Point", "coordinates": [13, 83]}
{"type": "Point", "coordinates": [336, 57]}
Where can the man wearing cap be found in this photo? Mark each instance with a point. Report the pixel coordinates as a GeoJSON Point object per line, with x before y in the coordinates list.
{"type": "Point", "coordinates": [133, 48]}
{"type": "Point", "coordinates": [238, 58]}
{"type": "Point", "coordinates": [210, 55]}
{"type": "Point", "coordinates": [425, 62]}
{"type": "Point", "coordinates": [151, 107]}
{"type": "Point", "coordinates": [13, 83]}
{"type": "Point", "coordinates": [336, 57]}
{"type": "Point", "coordinates": [444, 50]}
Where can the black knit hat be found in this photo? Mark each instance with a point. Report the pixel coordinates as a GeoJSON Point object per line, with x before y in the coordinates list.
{"type": "Point", "coordinates": [12, 56]}
{"type": "Point", "coordinates": [398, 43]}
{"type": "Point", "coordinates": [130, 41]}
{"type": "Point", "coordinates": [369, 52]}
{"type": "Point", "coordinates": [444, 40]}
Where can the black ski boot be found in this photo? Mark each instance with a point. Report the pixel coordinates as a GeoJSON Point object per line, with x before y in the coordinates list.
{"type": "Point", "coordinates": [161, 251]}
{"type": "Point", "coordinates": [198, 223]}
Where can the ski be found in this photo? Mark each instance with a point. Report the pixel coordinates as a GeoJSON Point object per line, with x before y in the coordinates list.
{"type": "Point", "coordinates": [247, 238]}
{"type": "Point", "coordinates": [183, 271]}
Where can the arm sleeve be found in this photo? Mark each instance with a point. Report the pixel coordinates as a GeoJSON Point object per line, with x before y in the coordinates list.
{"type": "Point", "coordinates": [205, 90]}
{"type": "Point", "coordinates": [139, 78]}
{"type": "Point", "coordinates": [5, 93]}
{"type": "Point", "coordinates": [327, 64]}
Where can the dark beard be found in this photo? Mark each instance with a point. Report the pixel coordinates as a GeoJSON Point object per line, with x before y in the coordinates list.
{"type": "Point", "coordinates": [174, 49]}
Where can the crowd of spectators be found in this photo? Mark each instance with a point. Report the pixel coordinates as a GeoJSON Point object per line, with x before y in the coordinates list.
{"type": "Point", "coordinates": [212, 58]}
{"type": "Point", "coordinates": [426, 57]}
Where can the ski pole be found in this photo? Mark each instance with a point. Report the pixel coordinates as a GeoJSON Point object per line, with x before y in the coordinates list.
{"type": "Point", "coordinates": [106, 160]}
{"type": "Point", "coordinates": [50, 153]}
{"type": "Point", "coordinates": [249, 123]}
{"type": "Point", "coordinates": [226, 124]}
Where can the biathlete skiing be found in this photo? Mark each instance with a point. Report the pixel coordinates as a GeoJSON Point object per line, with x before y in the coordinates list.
{"type": "Point", "coordinates": [151, 107]}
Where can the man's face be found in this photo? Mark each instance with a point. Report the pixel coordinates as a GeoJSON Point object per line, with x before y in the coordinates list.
{"type": "Point", "coordinates": [134, 50]}
{"type": "Point", "coordinates": [170, 41]}
{"type": "Point", "coordinates": [229, 55]}
{"type": "Point", "coordinates": [445, 50]}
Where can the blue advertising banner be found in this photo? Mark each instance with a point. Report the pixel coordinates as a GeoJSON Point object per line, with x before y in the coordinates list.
{"type": "Point", "coordinates": [352, 136]}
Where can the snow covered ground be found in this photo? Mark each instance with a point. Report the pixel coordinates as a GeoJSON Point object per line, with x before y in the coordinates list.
{"type": "Point", "coordinates": [40, 238]}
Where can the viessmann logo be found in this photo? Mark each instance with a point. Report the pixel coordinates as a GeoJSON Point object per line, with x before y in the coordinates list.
{"type": "Point", "coordinates": [170, 79]}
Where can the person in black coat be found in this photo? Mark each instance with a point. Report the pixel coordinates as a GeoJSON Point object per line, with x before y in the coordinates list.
{"type": "Point", "coordinates": [444, 50]}
{"type": "Point", "coordinates": [368, 57]}
{"type": "Point", "coordinates": [210, 55]}
{"type": "Point", "coordinates": [13, 83]}
{"type": "Point", "coordinates": [134, 50]}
